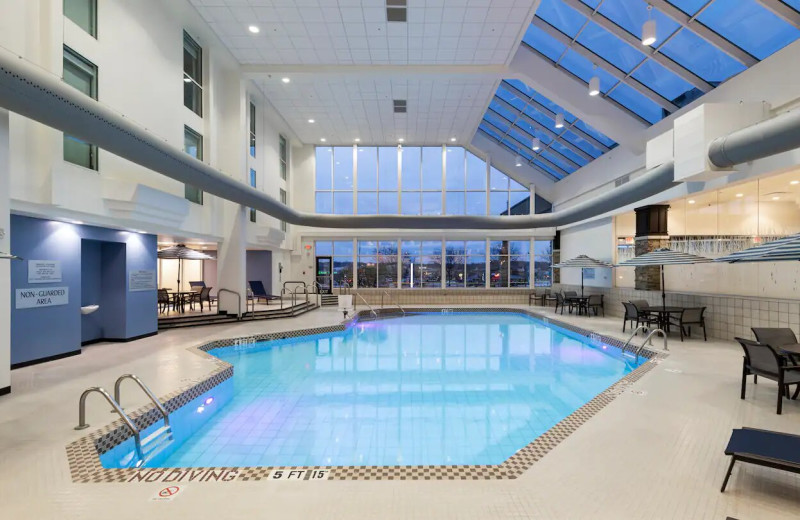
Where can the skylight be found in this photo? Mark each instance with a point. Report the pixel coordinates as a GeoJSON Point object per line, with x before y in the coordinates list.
{"type": "Point", "coordinates": [518, 114]}
{"type": "Point", "coordinates": [699, 44]}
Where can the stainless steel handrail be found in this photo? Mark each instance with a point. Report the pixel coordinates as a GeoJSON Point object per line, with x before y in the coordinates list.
{"type": "Point", "coordinates": [286, 291]}
{"type": "Point", "coordinates": [318, 291]}
{"type": "Point", "coordinates": [648, 338]}
{"type": "Point", "coordinates": [371, 310]}
{"type": "Point", "coordinates": [344, 288]}
{"type": "Point", "coordinates": [146, 390]}
{"type": "Point", "coordinates": [82, 424]}
{"type": "Point", "coordinates": [392, 301]}
{"type": "Point", "coordinates": [238, 301]}
{"type": "Point", "coordinates": [294, 292]}
{"type": "Point", "coordinates": [635, 332]}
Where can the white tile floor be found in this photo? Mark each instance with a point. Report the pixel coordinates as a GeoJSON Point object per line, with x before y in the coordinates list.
{"type": "Point", "coordinates": [657, 455]}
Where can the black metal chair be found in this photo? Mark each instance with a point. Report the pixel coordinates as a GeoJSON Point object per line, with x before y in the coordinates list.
{"type": "Point", "coordinates": [164, 301]}
{"type": "Point", "coordinates": [762, 360]}
{"type": "Point", "coordinates": [689, 317]}
{"type": "Point", "coordinates": [259, 293]}
{"type": "Point", "coordinates": [775, 336]}
{"type": "Point", "coordinates": [560, 302]}
{"type": "Point", "coordinates": [595, 302]}
{"type": "Point", "coordinates": [203, 296]}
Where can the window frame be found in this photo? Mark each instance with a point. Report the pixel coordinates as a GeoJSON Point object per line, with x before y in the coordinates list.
{"type": "Point", "coordinates": [74, 59]}
{"type": "Point", "coordinates": [187, 193]}
{"type": "Point", "coordinates": [195, 82]}
{"type": "Point", "coordinates": [92, 30]}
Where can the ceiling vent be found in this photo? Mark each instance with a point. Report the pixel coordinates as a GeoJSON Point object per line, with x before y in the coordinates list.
{"type": "Point", "coordinates": [396, 11]}
{"type": "Point", "coordinates": [622, 180]}
{"type": "Point", "coordinates": [400, 106]}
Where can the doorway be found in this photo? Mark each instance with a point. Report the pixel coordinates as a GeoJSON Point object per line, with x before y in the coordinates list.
{"type": "Point", "coordinates": [325, 274]}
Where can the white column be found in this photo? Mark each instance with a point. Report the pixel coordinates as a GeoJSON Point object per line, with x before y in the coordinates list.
{"type": "Point", "coordinates": [5, 246]}
{"type": "Point", "coordinates": [232, 259]}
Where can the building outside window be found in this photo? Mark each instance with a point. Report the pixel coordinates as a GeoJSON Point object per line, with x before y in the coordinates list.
{"type": "Point", "coordinates": [81, 74]}
{"type": "Point", "coordinates": [507, 196]}
{"type": "Point", "coordinates": [193, 145]}
{"type": "Point", "coordinates": [252, 130]}
{"type": "Point", "coordinates": [283, 149]}
{"type": "Point", "coordinates": [342, 253]}
{"type": "Point", "coordinates": [83, 13]}
{"type": "Point", "coordinates": [465, 263]}
{"type": "Point", "coordinates": [377, 264]}
{"type": "Point", "coordinates": [509, 263]}
{"type": "Point", "coordinates": [283, 201]}
{"type": "Point", "coordinates": [543, 263]}
{"type": "Point", "coordinates": [192, 75]}
{"type": "Point", "coordinates": [253, 184]}
{"type": "Point", "coordinates": [421, 264]}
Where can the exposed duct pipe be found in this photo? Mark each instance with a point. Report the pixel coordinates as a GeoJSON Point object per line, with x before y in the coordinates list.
{"type": "Point", "coordinates": [776, 135]}
{"type": "Point", "coordinates": [37, 94]}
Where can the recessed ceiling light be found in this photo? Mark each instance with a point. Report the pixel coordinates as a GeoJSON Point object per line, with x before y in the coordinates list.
{"type": "Point", "coordinates": [559, 120]}
{"type": "Point", "coordinates": [400, 140]}
{"type": "Point", "coordinates": [186, 79]}
{"type": "Point", "coordinates": [322, 139]}
{"type": "Point", "coordinates": [691, 201]}
{"type": "Point", "coordinates": [285, 80]}
{"type": "Point", "coordinates": [740, 195]}
{"type": "Point", "coordinates": [357, 140]}
{"type": "Point", "coordinates": [311, 121]}
{"type": "Point", "coordinates": [452, 139]}
{"type": "Point", "coordinates": [795, 182]}
{"type": "Point", "coordinates": [776, 198]}
{"type": "Point", "coordinates": [254, 29]}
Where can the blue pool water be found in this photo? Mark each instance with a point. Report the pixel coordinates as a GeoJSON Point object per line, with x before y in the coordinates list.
{"type": "Point", "coordinates": [428, 389]}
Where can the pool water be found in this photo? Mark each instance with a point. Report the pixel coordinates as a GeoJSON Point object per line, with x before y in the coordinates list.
{"type": "Point", "coordinates": [431, 389]}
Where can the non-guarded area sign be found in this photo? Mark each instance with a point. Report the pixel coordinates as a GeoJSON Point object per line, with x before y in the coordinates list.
{"type": "Point", "coordinates": [44, 271]}
{"type": "Point", "coordinates": [142, 280]}
{"type": "Point", "coordinates": [33, 297]}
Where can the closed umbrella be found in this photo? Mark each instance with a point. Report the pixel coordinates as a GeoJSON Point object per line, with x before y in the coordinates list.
{"type": "Point", "coordinates": [180, 252]}
{"type": "Point", "coordinates": [786, 248]}
{"type": "Point", "coordinates": [662, 257]}
{"type": "Point", "coordinates": [583, 262]}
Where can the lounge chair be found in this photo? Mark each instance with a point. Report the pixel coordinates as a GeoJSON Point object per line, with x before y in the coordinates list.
{"type": "Point", "coordinates": [764, 448]}
{"type": "Point", "coordinates": [560, 302]}
{"type": "Point", "coordinates": [689, 317]}
{"type": "Point", "coordinates": [763, 360]}
{"type": "Point", "coordinates": [259, 293]}
{"type": "Point", "coordinates": [595, 302]}
{"type": "Point", "coordinates": [164, 301]}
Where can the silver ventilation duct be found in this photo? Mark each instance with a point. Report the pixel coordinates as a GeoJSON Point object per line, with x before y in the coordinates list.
{"type": "Point", "coordinates": [39, 95]}
{"type": "Point", "coordinates": [776, 135]}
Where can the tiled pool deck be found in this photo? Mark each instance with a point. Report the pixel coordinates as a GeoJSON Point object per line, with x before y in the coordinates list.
{"type": "Point", "coordinates": [654, 452]}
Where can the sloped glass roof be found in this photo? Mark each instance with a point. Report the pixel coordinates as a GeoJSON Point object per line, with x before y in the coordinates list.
{"type": "Point", "coordinates": [517, 114]}
{"type": "Point", "coordinates": [700, 44]}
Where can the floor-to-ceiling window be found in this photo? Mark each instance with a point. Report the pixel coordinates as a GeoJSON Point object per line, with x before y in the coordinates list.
{"type": "Point", "coordinates": [342, 253]}
{"type": "Point", "coordinates": [421, 263]}
{"type": "Point", "coordinates": [543, 263]}
{"type": "Point", "coordinates": [509, 263]}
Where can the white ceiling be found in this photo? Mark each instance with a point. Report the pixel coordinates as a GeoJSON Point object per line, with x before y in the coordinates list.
{"type": "Point", "coordinates": [302, 39]}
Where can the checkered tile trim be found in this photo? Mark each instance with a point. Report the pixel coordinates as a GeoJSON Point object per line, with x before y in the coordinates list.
{"type": "Point", "coordinates": [83, 454]}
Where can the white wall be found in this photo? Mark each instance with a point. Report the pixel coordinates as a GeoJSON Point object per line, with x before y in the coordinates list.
{"type": "Point", "coordinates": [5, 246]}
{"type": "Point", "coordinates": [594, 239]}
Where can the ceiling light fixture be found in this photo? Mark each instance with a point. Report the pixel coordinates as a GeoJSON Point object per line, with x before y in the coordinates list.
{"type": "Point", "coordinates": [322, 139]}
{"type": "Point", "coordinates": [254, 29]}
{"type": "Point", "coordinates": [452, 139]}
{"type": "Point", "coordinates": [649, 28]}
{"type": "Point", "coordinates": [794, 182]}
{"type": "Point", "coordinates": [400, 140]}
{"type": "Point", "coordinates": [518, 161]}
{"type": "Point", "coordinates": [285, 80]}
{"type": "Point", "coordinates": [357, 140]}
{"type": "Point", "coordinates": [536, 144]}
{"type": "Point", "coordinates": [559, 120]}
{"type": "Point", "coordinates": [186, 79]}
{"type": "Point", "coordinates": [691, 201]}
{"type": "Point", "coordinates": [776, 198]}
{"type": "Point", "coordinates": [740, 195]}
{"type": "Point", "coordinates": [311, 121]}
{"type": "Point", "coordinates": [594, 84]}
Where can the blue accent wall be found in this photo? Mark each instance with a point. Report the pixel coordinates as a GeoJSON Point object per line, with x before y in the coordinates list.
{"type": "Point", "coordinates": [259, 267]}
{"type": "Point", "coordinates": [104, 258]}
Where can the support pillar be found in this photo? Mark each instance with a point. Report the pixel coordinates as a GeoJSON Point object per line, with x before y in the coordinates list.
{"type": "Point", "coordinates": [232, 260]}
{"type": "Point", "coordinates": [5, 267]}
{"type": "Point", "coordinates": [651, 234]}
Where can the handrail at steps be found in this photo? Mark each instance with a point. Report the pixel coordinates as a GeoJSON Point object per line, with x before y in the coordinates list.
{"type": "Point", "coordinates": [392, 301]}
{"type": "Point", "coordinates": [371, 310]}
{"type": "Point", "coordinates": [635, 332]}
{"type": "Point", "coordinates": [82, 424]}
{"type": "Point", "coordinates": [238, 301]}
{"type": "Point", "coordinates": [145, 389]}
{"type": "Point", "coordinates": [287, 291]}
{"type": "Point", "coordinates": [318, 291]}
{"type": "Point", "coordinates": [305, 291]}
{"type": "Point", "coordinates": [648, 338]}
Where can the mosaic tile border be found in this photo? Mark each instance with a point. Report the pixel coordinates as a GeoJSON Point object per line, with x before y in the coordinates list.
{"type": "Point", "coordinates": [84, 461]}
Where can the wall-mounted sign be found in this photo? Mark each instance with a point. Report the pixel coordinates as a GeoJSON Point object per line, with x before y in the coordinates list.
{"type": "Point", "coordinates": [142, 280]}
{"type": "Point", "coordinates": [44, 271]}
{"type": "Point", "coordinates": [33, 297]}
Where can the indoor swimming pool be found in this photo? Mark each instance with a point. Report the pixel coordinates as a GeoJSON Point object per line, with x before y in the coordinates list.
{"type": "Point", "coordinates": [425, 389]}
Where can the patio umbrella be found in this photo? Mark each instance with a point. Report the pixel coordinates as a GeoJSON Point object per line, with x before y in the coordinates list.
{"type": "Point", "coordinates": [662, 257]}
{"type": "Point", "coordinates": [786, 248]}
{"type": "Point", "coordinates": [180, 252]}
{"type": "Point", "coordinates": [8, 256]}
{"type": "Point", "coordinates": [584, 262]}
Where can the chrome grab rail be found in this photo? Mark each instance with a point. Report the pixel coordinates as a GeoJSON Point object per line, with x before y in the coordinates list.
{"type": "Point", "coordinates": [635, 332]}
{"type": "Point", "coordinates": [238, 301]}
{"type": "Point", "coordinates": [146, 390]}
{"type": "Point", "coordinates": [648, 338]}
{"type": "Point", "coordinates": [318, 291]}
{"type": "Point", "coordinates": [371, 310]}
{"type": "Point", "coordinates": [305, 291]}
{"type": "Point", "coordinates": [82, 424]}
{"type": "Point", "coordinates": [286, 291]}
{"type": "Point", "coordinates": [344, 288]}
{"type": "Point", "coordinates": [392, 301]}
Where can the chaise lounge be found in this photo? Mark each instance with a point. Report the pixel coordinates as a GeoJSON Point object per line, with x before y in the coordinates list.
{"type": "Point", "coordinates": [763, 448]}
{"type": "Point", "coordinates": [259, 293]}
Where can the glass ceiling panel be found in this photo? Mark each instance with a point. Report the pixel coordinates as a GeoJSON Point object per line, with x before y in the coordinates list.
{"type": "Point", "coordinates": [659, 78]}
{"type": "Point", "coordinates": [629, 97]}
{"type": "Point", "coordinates": [700, 57]}
{"type": "Point", "coordinates": [610, 48]}
{"type": "Point", "coordinates": [559, 155]}
{"type": "Point", "coordinates": [794, 4]}
{"type": "Point", "coordinates": [749, 25]}
{"type": "Point", "coordinates": [563, 18]}
{"type": "Point", "coordinates": [689, 7]}
{"type": "Point", "coordinates": [542, 42]}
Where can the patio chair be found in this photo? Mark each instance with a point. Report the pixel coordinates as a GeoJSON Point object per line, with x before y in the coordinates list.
{"type": "Point", "coordinates": [163, 301]}
{"type": "Point", "coordinates": [560, 302]}
{"type": "Point", "coordinates": [196, 286]}
{"type": "Point", "coordinates": [633, 314]}
{"type": "Point", "coordinates": [203, 296]}
{"type": "Point", "coordinates": [774, 336]}
{"type": "Point", "coordinates": [689, 317]}
{"type": "Point", "coordinates": [596, 302]}
{"type": "Point", "coordinates": [762, 360]}
{"type": "Point", "coordinates": [641, 304]}
{"type": "Point", "coordinates": [776, 450]}
{"type": "Point", "coordinates": [259, 293]}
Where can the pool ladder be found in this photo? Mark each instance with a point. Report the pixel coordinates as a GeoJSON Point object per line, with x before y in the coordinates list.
{"type": "Point", "coordinates": [144, 449]}
{"type": "Point", "coordinates": [648, 338]}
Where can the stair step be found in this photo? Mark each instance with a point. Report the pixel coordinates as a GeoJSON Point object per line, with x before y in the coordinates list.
{"type": "Point", "coordinates": [197, 321]}
{"type": "Point", "coordinates": [161, 432]}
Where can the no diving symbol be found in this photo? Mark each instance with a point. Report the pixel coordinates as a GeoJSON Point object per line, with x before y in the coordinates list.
{"type": "Point", "coordinates": [167, 494]}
